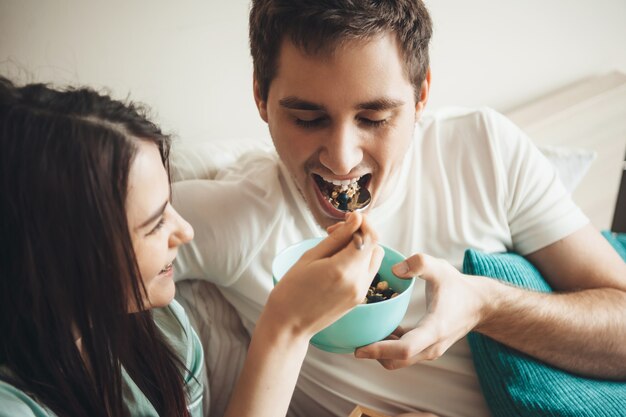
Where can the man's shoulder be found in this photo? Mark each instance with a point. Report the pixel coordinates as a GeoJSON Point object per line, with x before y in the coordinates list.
{"type": "Point", "coordinates": [466, 128]}
{"type": "Point", "coordinates": [252, 175]}
{"type": "Point", "coordinates": [254, 166]}
{"type": "Point", "coordinates": [455, 115]}
{"type": "Point", "coordinates": [206, 160]}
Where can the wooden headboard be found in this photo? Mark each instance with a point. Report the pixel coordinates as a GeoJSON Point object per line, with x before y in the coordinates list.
{"type": "Point", "coordinates": [590, 114]}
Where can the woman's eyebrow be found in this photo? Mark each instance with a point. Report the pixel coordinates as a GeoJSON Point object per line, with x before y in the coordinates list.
{"type": "Point", "coordinates": [154, 216]}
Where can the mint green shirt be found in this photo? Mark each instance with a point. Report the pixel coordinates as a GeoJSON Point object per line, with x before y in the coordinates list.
{"type": "Point", "coordinates": [175, 325]}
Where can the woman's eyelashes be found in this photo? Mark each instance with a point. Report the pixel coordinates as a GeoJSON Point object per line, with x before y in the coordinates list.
{"type": "Point", "coordinates": [158, 226]}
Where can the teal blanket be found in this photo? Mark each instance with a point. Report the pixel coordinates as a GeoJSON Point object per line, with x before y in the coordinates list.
{"type": "Point", "coordinates": [515, 384]}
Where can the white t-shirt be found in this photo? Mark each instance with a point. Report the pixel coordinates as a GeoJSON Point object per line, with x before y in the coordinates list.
{"type": "Point", "coordinates": [470, 179]}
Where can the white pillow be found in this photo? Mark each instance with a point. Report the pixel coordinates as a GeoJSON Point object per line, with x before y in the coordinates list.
{"type": "Point", "coordinates": [571, 163]}
{"type": "Point", "coordinates": [203, 159]}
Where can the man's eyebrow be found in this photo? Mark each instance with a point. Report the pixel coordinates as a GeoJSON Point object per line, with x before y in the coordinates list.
{"type": "Point", "coordinates": [295, 103]}
{"type": "Point", "coordinates": [154, 216]}
{"type": "Point", "coordinates": [381, 104]}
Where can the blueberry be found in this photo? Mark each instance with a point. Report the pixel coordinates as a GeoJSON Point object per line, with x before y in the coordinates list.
{"type": "Point", "coordinates": [388, 293]}
{"type": "Point", "coordinates": [375, 299]}
{"type": "Point", "coordinates": [343, 200]}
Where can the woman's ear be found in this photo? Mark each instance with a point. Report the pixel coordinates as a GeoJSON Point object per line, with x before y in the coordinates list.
{"type": "Point", "coordinates": [261, 104]}
{"type": "Point", "coordinates": [423, 98]}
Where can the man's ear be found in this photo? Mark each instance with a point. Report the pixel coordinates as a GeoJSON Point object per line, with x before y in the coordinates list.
{"type": "Point", "coordinates": [423, 98]}
{"type": "Point", "coordinates": [261, 104]}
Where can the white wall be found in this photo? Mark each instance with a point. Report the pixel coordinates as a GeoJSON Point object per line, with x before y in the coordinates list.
{"type": "Point", "coordinates": [189, 60]}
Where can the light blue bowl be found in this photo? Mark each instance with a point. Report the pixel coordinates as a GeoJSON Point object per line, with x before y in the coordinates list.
{"type": "Point", "coordinates": [365, 323]}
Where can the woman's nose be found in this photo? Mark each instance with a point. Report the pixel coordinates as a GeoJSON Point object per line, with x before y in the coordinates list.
{"type": "Point", "coordinates": [182, 233]}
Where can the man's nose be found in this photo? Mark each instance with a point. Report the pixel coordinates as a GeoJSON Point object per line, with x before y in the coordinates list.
{"type": "Point", "coordinates": [342, 149]}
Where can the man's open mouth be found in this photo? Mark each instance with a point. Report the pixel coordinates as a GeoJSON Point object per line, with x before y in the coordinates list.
{"type": "Point", "coordinates": [343, 195]}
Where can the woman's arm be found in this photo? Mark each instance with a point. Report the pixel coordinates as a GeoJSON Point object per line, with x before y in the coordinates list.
{"type": "Point", "coordinates": [294, 313]}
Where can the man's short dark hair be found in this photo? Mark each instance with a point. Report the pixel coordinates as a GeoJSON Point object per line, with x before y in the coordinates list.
{"type": "Point", "coordinates": [320, 26]}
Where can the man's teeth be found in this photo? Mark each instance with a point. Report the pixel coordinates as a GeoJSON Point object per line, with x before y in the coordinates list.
{"type": "Point", "coordinates": [341, 182]}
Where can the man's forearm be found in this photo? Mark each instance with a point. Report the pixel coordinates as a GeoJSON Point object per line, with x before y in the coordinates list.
{"type": "Point", "coordinates": [583, 332]}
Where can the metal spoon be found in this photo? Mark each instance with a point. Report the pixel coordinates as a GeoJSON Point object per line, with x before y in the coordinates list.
{"type": "Point", "coordinates": [363, 199]}
{"type": "Point", "coordinates": [347, 204]}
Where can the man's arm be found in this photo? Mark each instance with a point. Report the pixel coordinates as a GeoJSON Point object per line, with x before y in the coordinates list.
{"type": "Point", "coordinates": [580, 328]}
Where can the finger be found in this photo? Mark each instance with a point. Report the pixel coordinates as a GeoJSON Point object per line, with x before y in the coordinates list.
{"type": "Point", "coordinates": [376, 260]}
{"type": "Point", "coordinates": [399, 331]}
{"type": "Point", "coordinates": [334, 227]}
{"type": "Point", "coordinates": [393, 364]}
{"type": "Point", "coordinates": [338, 239]}
{"type": "Point", "coordinates": [395, 335]}
{"type": "Point", "coordinates": [356, 256]}
{"type": "Point", "coordinates": [352, 267]}
{"type": "Point", "coordinates": [385, 349]}
{"type": "Point", "coordinates": [408, 346]}
{"type": "Point", "coordinates": [367, 228]}
{"type": "Point", "coordinates": [429, 354]}
{"type": "Point", "coordinates": [416, 265]}
{"type": "Point", "coordinates": [357, 239]}
{"type": "Point", "coordinates": [366, 231]}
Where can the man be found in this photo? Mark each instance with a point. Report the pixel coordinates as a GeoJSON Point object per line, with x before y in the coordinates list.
{"type": "Point", "coordinates": [342, 86]}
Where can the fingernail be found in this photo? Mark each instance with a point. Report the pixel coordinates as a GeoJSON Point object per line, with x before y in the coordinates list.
{"type": "Point", "coordinates": [401, 268]}
{"type": "Point", "coordinates": [349, 216]}
{"type": "Point", "coordinates": [361, 354]}
{"type": "Point", "coordinates": [357, 237]}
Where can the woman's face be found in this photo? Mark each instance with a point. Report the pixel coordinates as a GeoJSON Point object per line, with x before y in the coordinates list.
{"type": "Point", "coordinates": [156, 228]}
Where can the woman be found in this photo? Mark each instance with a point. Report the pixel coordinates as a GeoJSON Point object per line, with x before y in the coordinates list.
{"type": "Point", "coordinates": [88, 235]}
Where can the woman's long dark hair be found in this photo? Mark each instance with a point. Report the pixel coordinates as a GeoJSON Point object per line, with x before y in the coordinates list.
{"type": "Point", "coordinates": [68, 264]}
